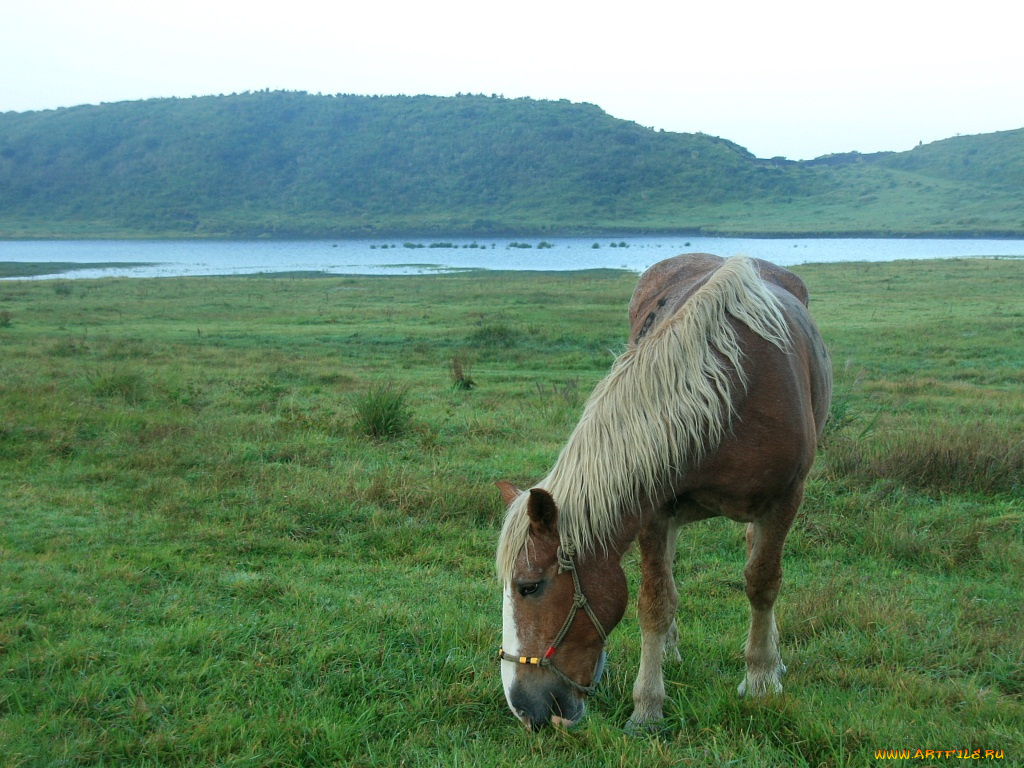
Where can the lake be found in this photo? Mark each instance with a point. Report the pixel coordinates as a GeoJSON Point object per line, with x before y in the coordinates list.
{"type": "Point", "coordinates": [165, 258]}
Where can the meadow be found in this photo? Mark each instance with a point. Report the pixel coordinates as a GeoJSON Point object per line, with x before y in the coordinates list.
{"type": "Point", "coordinates": [215, 551]}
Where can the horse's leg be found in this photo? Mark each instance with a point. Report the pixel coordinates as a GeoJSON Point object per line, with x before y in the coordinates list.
{"type": "Point", "coordinates": [656, 610]}
{"type": "Point", "coordinates": [763, 574]}
{"type": "Point", "coordinates": [672, 643]}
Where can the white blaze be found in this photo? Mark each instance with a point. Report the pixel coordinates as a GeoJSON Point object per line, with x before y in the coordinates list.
{"type": "Point", "coordinates": [510, 644]}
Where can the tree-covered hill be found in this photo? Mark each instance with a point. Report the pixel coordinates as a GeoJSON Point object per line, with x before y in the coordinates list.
{"type": "Point", "coordinates": [294, 164]}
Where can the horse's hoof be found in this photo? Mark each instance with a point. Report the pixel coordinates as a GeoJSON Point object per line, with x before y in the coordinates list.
{"type": "Point", "coordinates": [768, 684]}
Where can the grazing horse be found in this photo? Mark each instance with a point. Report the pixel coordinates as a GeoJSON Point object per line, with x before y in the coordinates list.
{"type": "Point", "coordinates": [714, 409]}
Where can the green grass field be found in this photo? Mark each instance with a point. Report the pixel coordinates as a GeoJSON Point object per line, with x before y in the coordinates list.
{"type": "Point", "coordinates": [205, 561]}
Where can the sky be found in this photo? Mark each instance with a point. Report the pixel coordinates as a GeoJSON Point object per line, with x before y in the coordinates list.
{"type": "Point", "coordinates": [791, 78]}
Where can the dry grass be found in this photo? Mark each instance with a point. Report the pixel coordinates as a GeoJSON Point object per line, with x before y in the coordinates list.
{"type": "Point", "coordinates": [934, 456]}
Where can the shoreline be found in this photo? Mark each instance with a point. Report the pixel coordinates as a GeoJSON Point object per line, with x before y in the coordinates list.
{"type": "Point", "coordinates": [554, 233]}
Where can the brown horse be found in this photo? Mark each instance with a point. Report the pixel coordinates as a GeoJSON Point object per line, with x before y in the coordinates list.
{"type": "Point", "coordinates": [714, 409]}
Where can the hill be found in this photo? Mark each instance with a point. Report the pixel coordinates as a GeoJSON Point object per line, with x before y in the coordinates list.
{"type": "Point", "coordinates": [286, 164]}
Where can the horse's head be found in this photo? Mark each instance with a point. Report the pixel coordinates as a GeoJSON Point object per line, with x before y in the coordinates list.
{"type": "Point", "coordinates": [558, 610]}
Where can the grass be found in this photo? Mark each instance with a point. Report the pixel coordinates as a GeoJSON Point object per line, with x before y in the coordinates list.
{"type": "Point", "coordinates": [204, 560]}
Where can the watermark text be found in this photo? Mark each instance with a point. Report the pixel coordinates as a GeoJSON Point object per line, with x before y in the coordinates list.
{"type": "Point", "coordinates": [938, 754]}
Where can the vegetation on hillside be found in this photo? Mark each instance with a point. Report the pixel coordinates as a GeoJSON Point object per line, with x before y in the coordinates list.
{"type": "Point", "coordinates": [286, 164]}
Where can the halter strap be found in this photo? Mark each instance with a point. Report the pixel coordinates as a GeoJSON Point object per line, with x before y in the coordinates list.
{"type": "Point", "coordinates": [565, 554]}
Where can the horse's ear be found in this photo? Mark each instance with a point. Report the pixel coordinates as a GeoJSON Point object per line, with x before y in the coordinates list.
{"type": "Point", "coordinates": [509, 492]}
{"type": "Point", "coordinates": [542, 510]}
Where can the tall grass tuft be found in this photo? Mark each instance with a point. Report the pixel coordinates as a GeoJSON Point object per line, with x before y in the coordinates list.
{"type": "Point", "coordinates": [383, 412]}
{"type": "Point", "coordinates": [847, 411]}
{"type": "Point", "coordinates": [950, 458]}
{"type": "Point", "coordinates": [460, 375]}
{"type": "Point", "coordinates": [495, 336]}
{"type": "Point", "coordinates": [131, 385]}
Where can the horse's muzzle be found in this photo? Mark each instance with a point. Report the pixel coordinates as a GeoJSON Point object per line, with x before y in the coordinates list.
{"type": "Point", "coordinates": [538, 706]}
{"type": "Point", "coordinates": [539, 700]}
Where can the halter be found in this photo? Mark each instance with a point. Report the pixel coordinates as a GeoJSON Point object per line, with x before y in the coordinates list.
{"type": "Point", "coordinates": [565, 554]}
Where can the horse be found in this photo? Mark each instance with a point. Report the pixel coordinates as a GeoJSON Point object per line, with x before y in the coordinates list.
{"type": "Point", "coordinates": [714, 409]}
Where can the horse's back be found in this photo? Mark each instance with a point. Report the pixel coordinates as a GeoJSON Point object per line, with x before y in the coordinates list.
{"type": "Point", "coordinates": [781, 411]}
{"type": "Point", "coordinates": [665, 286]}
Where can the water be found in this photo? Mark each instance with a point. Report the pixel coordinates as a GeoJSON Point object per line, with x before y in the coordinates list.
{"type": "Point", "coordinates": [165, 258]}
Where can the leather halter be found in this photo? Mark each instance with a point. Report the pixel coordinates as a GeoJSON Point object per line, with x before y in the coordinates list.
{"type": "Point", "coordinates": [565, 554]}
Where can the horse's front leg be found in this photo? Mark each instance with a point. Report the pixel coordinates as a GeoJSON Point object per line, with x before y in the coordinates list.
{"type": "Point", "coordinates": [656, 610]}
{"type": "Point", "coordinates": [763, 574]}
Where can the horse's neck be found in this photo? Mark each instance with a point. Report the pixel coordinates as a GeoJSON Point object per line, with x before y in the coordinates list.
{"type": "Point", "coordinates": [613, 534]}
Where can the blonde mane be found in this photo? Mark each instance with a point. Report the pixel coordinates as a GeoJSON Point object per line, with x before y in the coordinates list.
{"type": "Point", "coordinates": [666, 402]}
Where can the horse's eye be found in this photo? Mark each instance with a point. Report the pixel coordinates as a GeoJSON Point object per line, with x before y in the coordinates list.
{"type": "Point", "coordinates": [529, 588]}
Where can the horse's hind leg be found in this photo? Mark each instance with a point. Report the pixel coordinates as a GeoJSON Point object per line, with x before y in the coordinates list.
{"type": "Point", "coordinates": [656, 610]}
{"type": "Point", "coordinates": [763, 574]}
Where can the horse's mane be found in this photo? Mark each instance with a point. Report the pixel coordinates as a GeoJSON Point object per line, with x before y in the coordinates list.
{"type": "Point", "coordinates": [666, 402]}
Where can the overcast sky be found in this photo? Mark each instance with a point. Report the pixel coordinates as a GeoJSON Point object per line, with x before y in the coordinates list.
{"type": "Point", "coordinates": [795, 78]}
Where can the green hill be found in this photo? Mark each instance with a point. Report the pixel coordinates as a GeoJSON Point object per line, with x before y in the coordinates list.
{"type": "Point", "coordinates": [287, 164]}
{"type": "Point", "coordinates": [994, 158]}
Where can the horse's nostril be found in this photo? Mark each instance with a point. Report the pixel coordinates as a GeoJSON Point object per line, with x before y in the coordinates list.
{"type": "Point", "coordinates": [533, 726]}
{"type": "Point", "coordinates": [526, 718]}
{"type": "Point", "coordinates": [534, 721]}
